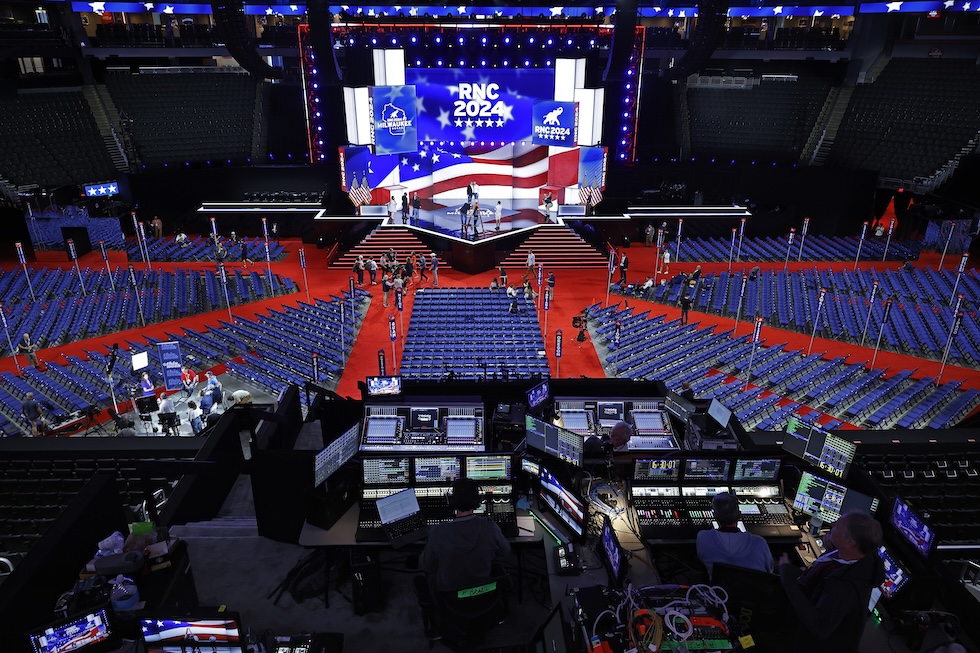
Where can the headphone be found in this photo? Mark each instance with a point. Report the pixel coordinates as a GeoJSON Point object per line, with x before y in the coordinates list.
{"type": "Point", "coordinates": [465, 495]}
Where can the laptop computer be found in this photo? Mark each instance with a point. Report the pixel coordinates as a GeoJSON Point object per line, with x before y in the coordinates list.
{"type": "Point", "coordinates": [401, 518]}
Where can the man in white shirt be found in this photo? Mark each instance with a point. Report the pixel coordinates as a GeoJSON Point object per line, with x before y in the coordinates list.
{"type": "Point", "coordinates": [530, 265]}
{"type": "Point", "coordinates": [498, 212]}
{"type": "Point", "coordinates": [166, 404]}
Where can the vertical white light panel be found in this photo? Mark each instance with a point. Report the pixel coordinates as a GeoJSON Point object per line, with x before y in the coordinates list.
{"type": "Point", "coordinates": [569, 76]}
{"type": "Point", "coordinates": [389, 67]}
{"type": "Point", "coordinates": [589, 115]}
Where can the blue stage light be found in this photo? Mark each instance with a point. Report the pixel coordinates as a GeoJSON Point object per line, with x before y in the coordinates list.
{"type": "Point", "coordinates": [483, 40]}
{"type": "Point", "coordinates": [165, 165]}
{"type": "Point", "coordinates": [374, 41]}
{"type": "Point", "coordinates": [625, 128]}
{"type": "Point", "coordinates": [550, 41]}
{"type": "Point", "coordinates": [506, 40]}
{"type": "Point", "coordinates": [626, 114]}
{"type": "Point", "coordinates": [418, 62]}
{"type": "Point", "coordinates": [317, 114]}
{"type": "Point", "coordinates": [314, 71]}
{"type": "Point", "coordinates": [462, 62]}
{"type": "Point", "coordinates": [548, 62]}
{"type": "Point", "coordinates": [629, 86]}
{"type": "Point", "coordinates": [350, 40]}
{"type": "Point", "coordinates": [530, 40]}
{"type": "Point", "coordinates": [415, 39]}
{"type": "Point", "coordinates": [505, 63]}
{"type": "Point", "coordinates": [569, 42]}
{"type": "Point", "coordinates": [322, 156]}
{"type": "Point", "coordinates": [316, 85]}
{"type": "Point", "coordinates": [483, 63]}
{"type": "Point", "coordinates": [439, 62]}
{"type": "Point", "coordinates": [394, 41]}
{"type": "Point", "coordinates": [591, 42]}
{"type": "Point", "coordinates": [187, 163]}
{"type": "Point", "coordinates": [209, 163]}
{"type": "Point", "coordinates": [623, 142]}
{"type": "Point", "coordinates": [229, 161]}
{"type": "Point", "coordinates": [622, 155]}
{"type": "Point", "coordinates": [527, 63]}
{"type": "Point", "coordinates": [438, 40]}
{"type": "Point", "coordinates": [712, 160]}
{"type": "Point", "coordinates": [462, 40]}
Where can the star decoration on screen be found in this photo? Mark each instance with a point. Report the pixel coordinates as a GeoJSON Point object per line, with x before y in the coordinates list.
{"type": "Point", "coordinates": [777, 10]}
{"type": "Point", "coordinates": [557, 11]}
{"type": "Point", "coordinates": [817, 13]}
{"type": "Point", "coordinates": [949, 3]}
{"type": "Point", "coordinates": [893, 6]}
{"type": "Point", "coordinates": [268, 11]}
{"type": "Point", "coordinates": [148, 6]}
{"type": "Point", "coordinates": [414, 11]}
{"type": "Point", "coordinates": [469, 133]}
{"type": "Point", "coordinates": [169, 9]}
{"type": "Point", "coordinates": [444, 118]}
{"type": "Point", "coordinates": [112, 189]}
{"type": "Point", "coordinates": [458, 123]}
{"type": "Point", "coordinates": [97, 7]}
{"type": "Point", "coordinates": [461, 9]}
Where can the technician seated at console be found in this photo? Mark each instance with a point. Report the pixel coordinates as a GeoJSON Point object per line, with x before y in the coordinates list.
{"type": "Point", "coordinates": [618, 441]}
{"type": "Point", "coordinates": [461, 553]}
{"type": "Point", "coordinates": [729, 544]}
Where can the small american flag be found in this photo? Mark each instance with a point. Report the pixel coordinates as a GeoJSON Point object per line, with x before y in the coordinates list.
{"type": "Point", "coordinates": [354, 193]}
{"type": "Point", "coordinates": [366, 196]}
{"type": "Point", "coordinates": [596, 194]}
{"type": "Point", "coordinates": [585, 194]}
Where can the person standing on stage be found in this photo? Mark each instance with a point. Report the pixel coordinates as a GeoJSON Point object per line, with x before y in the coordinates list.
{"type": "Point", "coordinates": [157, 225]}
{"type": "Point", "coordinates": [666, 259]}
{"type": "Point", "coordinates": [28, 349]}
{"type": "Point", "coordinates": [392, 208]}
{"type": "Point", "coordinates": [503, 277]}
{"type": "Point", "coordinates": [404, 208]}
{"type": "Point", "coordinates": [498, 212]}
{"type": "Point", "coordinates": [476, 190]}
{"type": "Point", "coordinates": [359, 269]}
{"type": "Point", "coordinates": [246, 259]}
{"type": "Point", "coordinates": [530, 264]}
{"type": "Point", "coordinates": [416, 207]}
{"type": "Point", "coordinates": [435, 270]}
{"type": "Point", "coordinates": [386, 287]}
{"type": "Point", "coordinates": [685, 302]}
{"type": "Point", "coordinates": [423, 263]}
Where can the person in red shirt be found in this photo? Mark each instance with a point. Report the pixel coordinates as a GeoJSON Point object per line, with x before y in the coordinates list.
{"type": "Point", "coordinates": [189, 378]}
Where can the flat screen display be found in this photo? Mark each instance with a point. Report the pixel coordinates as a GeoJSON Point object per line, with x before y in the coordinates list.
{"type": "Point", "coordinates": [385, 471]}
{"type": "Point", "coordinates": [678, 406]}
{"type": "Point", "coordinates": [565, 505]}
{"type": "Point", "coordinates": [488, 468]}
{"type": "Point", "coordinates": [140, 360]}
{"type": "Point", "coordinates": [424, 419]}
{"type": "Point", "coordinates": [336, 454]}
{"type": "Point", "coordinates": [719, 412]}
{"type": "Point", "coordinates": [825, 451]}
{"type": "Point", "coordinates": [828, 500]}
{"type": "Point", "coordinates": [895, 575]}
{"type": "Point", "coordinates": [561, 443]}
{"type": "Point", "coordinates": [756, 469]}
{"type": "Point", "coordinates": [437, 469]}
{"type": "Point", "coordinates": [609, 412]}
{"type": "Point", "coordinates": [911, 527]}
{"type": "Point", "coordinates": [612, 554]}
{"type": "Point", "coordinates": [667, 470]}
{"type": "Point", "coordinates": [706, 469]}
{"type": "Point", "coordinates": [87, 633]}
{"type": "Point", "coordinates": [214, 633]}
{"type": "Point", "coordinates": [537, 395]}
{"type": "Point", "coordinates": [381, 386]}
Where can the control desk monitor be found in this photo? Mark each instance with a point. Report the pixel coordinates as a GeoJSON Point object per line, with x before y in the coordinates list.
{"type": "Point", "coordinates": [720, 413]}
{"type": "Point", "coordinates": [656, 470]}
{"type": "Point", "coordinates": [489, 467]}
{"type": "Point", "coordinates": [561, 443]}
{"type": "Point", "coordinates": [425, 428]}
{"type": "Point", "coordinates": [750, 470]}
{"type": "Point", "coordinates": [612, 554]}
{"type": "Point", "coordinates": [336, 454]}
{"type": "Point", "coordinates": [88, 633]}
{"type": "Point", "coordinates": [424, 419]}
{"type": "Point", "coordinates": [437, 469]}
{"type": "Point", "coordinates": [609, 412]}
{"type": "Point", "coordinates": [200, 629]}
{"type": "Point", "coordinates": [827, 452]}
{"type": "Point", "coordinates": [828, 500]}
{"type": "Point", "coordinates": [538, 395]}
{"type": "Point", "coordinates": [384, 386]}
{"type": "Point", "coordinates": [564, 504]}
{"type": "Point", "coordinates": [896, 577]}
{"type": "Point", "coordinates": [678, 406]}
{"type": "Point", "coordinates": [706, 469]}
{"type": "Point", "coordinates": [388, 471]}
{"type": "Point", "coordinates": [912, 528]}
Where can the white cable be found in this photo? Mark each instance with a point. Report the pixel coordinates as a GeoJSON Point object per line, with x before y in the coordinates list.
{"type": "Point", "coordinates": [669, 622]}
{"type": "Point", "coordinates": [595, 624]}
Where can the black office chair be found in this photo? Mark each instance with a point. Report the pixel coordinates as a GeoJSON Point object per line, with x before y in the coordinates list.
{"type": "Point", "coordinates": [170, 423]}
{"type": "Point", "coordinates": [461, 618]}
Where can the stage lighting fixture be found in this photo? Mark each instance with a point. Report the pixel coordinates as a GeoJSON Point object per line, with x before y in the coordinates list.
{"type": "Point", "coordinates": [530, 40]}
{"type": "Point", "coordinates": [483, 63]}
{"type": "Point", "coordinates": [439, 62]}
{"type": "Point", "coordinates": [374, 41]}
{"type": "Point", "coordinates": [394, 41]}
{"type": "Point", "coordinates": [622, 142]}
{"type": "Point", "coordinates": [550, 42]}
{"type": "Point", "coordinates": [505, 63]}
{"type": "Point", "coordinates": [569, 42]}
{"type": "Point", "coordinates": [506, 40]}
{"type": "Point", "coordinates": [314, 71]}
{"type": "Point", "coordinates": [548, 63]}
{"type": "Point", "coordinates": [462, 40]}
{"type": "Point", "coordinates": [483, 40]}
{"type": "Point", "coordinates": [592, 42]}
{"type": "Point", "coordinates": [415, 39]}
{"type": "Point", "coordinates": [317, 114]}
{"type": "Point", "coordinates": [462, 62]}
{"type": "Point", "coordinates": [438, 40]}
{"type": "Point", "coordinates": [418, 62]}
{"type": "Point", "coordinates": [527, 63]}
{"type": "Point", "coordinates": [315, 85]}
{"type": "Point", "coordinates": [351, 40]}
{"type": "Point", "coordinates": [626, 114]}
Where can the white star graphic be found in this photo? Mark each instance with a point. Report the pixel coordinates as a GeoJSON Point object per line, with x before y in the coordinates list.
{"type": "Point", "coordinates": [458, 122]}
{"type": "Point", "coordinates": [293, 8]}
{"type": "Point", "coordinates": [268, 11]}
{"type": "Point", "coordinates": [893, 6]}
{"type": "Point", "coordinates": [670, 13]}
{"type": "Point", "coordinates": [398, 7]}
{"type": "Point", "coordinates": [479, 123]}
{"type": "Point", "coordinates": [457, 155]}
{"type": "Point", "coordinates": [423, 154]}
{"type": "Point", "coordinates": [91, 191]}
{"type": "Point", "coordinates": [966, 6]}
{"type": "Point", "coordinates": [414, 11]}
{"type": "Point", "coordinates": [461, 9]}
{"type": "Point", "coordinates": [370, 12]}
{"type": "Point", "coordinates": [508, 111]}
{"type": "Point", "coordinates": [500, 122]}
{"type": "Point", "coordinates": [415, 167]}
{"type": "Point", "coordinates": [435, 158]}
{"type": "Point", "coordinates": [419, 105]}
{"type": "Point", "coordinates": [817, 13]}
{"type": "Point", "coordinates": [557, 11]}
{"type": "Point", "coordinates": [777, 10]}
{"type": "Point", "coordinates": [949, 3]}
{"type": "Point", "coordinates": [97, 7]}
{"type": "Point", "coordinates": [469, 123]}
{"type": "Point", "coordinates": [657, 9]}
{"type": "Point", "coordinates": [468, 132]}
{"type": "Point", "coordinates": [404, 160]}
{"type": "Point", "coordinates": [148, 6]}
{"type": "Point", "coordinates": [168, 9]}
{"type": "Point", "coordinates": [444, 118]}
{"type": "Point", "coordinates": [101, 190]}
{"type": "Point", "coordinates": [681, 14]}
{"type": "Point", "coordinates": [112, 189]}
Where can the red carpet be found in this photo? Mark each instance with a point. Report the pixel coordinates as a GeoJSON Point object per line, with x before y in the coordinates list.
{"type": "Point", "coordinates": [574, 290]}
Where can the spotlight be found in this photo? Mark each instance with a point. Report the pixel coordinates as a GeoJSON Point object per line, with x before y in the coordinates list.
{"type": "Point", "coordinates": [569, 42]}
{"type": "Point", "coordinates": [506, 40]}
{"type": "Point", "coordinates": [505, 63]}
{"type": "Point", "coordinates": [530, 40]}
{"type": "Point", "coordinates": [438, 40]}
{"type": "Point", "coordinates": [462, 40]}
{"type": "Point", "coordinates": [483, 40]}
{"type": "Point", "coordinates": [483, 63]}
{"type": "Point", "coordinates": [550, 42]}
{"type": "Point", "coordinates": [374, 41]}
{"type": "Point", "coordinates": [439, 62]}
{"type": "Point", "coordinates": [418, 62]}
{"type": "Point", "coordinates": [415, 39]}
{"type": "Point", "coordinates": [462, 62]}
{"type": "Point", "coordinates": [527, 63]}
{"type": "Point", "coordinates": [394, 41]}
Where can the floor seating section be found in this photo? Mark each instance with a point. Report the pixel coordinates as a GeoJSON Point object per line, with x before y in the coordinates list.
{"type": "Point", "coordinates": [943, 485]}
{"type": "Point", "coordinates": [772, 120]}
{"type": "Point", "coordinates": [62, 313]}
{"type": "Point", "coordinates": [281, 346]}
{"type": "Point", "coordinates": [199, 248]}
{"type": "Point", "coordinates": [470, 333]}
{"type": "Point", "coordinates": [915, 117]}
{"type": "Point", "coordinates": [919, 322]}
{"type": "Point", "coordinates": [34, 493]}
{"type": "Point", "coordinates": [51, 139]}
{"type": "Point", "coordinates": [46, 228]}
{"type": "Point", "coordinates": [187, 117]}
{"type": "Point", "coordinates": [764, 385]}
{"type": "Point", "coordinates": [815, 248]}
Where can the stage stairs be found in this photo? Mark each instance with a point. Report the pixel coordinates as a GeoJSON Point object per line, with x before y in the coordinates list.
{"type": "Point", "coordinates": [401, 239]}
{"type": "Point", "coordinates": [558, 247]}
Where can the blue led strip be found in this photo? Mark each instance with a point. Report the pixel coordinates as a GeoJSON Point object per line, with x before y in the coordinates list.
{"type": "Point", "coordinates": [626, 140]}
{"type": "Point", "coordinates": [311, 89]}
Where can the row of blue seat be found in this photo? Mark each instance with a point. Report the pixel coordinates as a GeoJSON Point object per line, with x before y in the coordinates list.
{"type": "Point", "coordinates": [814, 248]}
{"type": "Point", "coordinates": [202, 249]}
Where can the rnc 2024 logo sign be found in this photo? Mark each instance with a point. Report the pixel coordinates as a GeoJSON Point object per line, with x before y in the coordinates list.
{"type": "Point", "coordinates": [393, 119]}
{"type": "Point", "coordinates": [555, 123]}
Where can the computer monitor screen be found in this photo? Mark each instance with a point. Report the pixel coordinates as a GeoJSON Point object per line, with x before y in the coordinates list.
{"type": "Point", "coordinates": [385, 471]}
{"type": "Point", "coordinates": [488, 468]}
{"type": "Point", "coordinates": [537, 395]}
{"type": "Point", "coordinates": [828, 500]}
{"type": "Point", "coordinates": [565, 505]}
{"type": "Point", "coordinates": [610, 412]}
{"type": "Point", "coordinates": [656, 470]}
{"type": "Point", "coordinates": [706, 469]}
{"type": "Point", "coordinates": [531, 467]}
{"type": "Point", "coordinates": [381, 386]}
{"type": "Point", "coordinates": [756, 469]}
{"type": "Point", "coordinates": [141, 360]}
{"type": "Point", "coordinates": [437, 469]}
{"type": "Point", "coordinates": [895, 575]}
{"type": "Point", "coordinates": [612, 554]}
{"type": "Point", "coordinates": [719, 412]}
{"type": "Point", "coordinates": [336, 454]}
{"type": "Point", "coordinates": [911, 527]}
{"type": "Point", "coordinates": [424, 419]}
{"type": "Point", "coordinates": [87, 633]}
{"type": "Point", "coordinates": [678, 406]}
{"type": "Point", "coordinates": [823, 450]}
{"type": "Point", "coordinates": [216, 632]}
{"type": "Point", "coordinates": [553, 440]}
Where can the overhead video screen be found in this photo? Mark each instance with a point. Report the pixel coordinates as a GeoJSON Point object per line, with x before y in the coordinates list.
{"type": "Point", "coordinates": [462, 104]}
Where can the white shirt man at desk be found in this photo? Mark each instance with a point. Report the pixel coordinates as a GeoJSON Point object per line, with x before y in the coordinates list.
{"type": "Point", "coordinates": [461, 553]}
{"type": "Point", "coordinates": [730, 545]}
{"type": "Point", "coordinates": [619, 439]}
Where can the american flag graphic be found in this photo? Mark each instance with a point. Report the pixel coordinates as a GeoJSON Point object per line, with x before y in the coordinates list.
{"type": "Point", "coordinates": [596, 194]}
{"type": "Point", "coordinates": [223, 632]}
{"type": "Point", "coordinates": [355, 192]}
{"type": "Point", "coordinates": [585, 195]}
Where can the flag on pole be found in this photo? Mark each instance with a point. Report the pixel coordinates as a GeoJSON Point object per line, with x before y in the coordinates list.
{"type": "Point", "coordinates": [596, 194]}
{"type": "Point", "coordinates": [366, 189]}
{"type": "Point", "coordinates": [354, 193]}
{"type": "Point", "coordinates": [585, 195]}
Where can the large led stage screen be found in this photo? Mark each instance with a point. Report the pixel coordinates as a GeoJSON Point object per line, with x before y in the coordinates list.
{"type": "Point", "coordinates": [478, 105]}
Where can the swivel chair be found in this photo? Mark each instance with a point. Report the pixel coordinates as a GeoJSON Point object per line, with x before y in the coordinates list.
{"type": "Point", "coordinates": [461, 618]}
